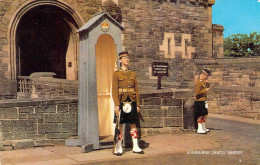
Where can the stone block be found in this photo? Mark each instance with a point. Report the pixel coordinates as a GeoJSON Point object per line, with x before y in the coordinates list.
{"type": "Point", "coordinates": [46, 128]}
{"type": "Point", "coordinates": [152, 122]}
{"type": "Point", "coordinates": [23, 116]}
{"type": "Point", "coordinates": [59, 118]}
{"type": "Point", "coordinates": [7, 135]}
{"type": "Point", "coordinates": [174, 111]}
{"type": "Point", "coordinates": [35, 116]}
{"type": "Point", "coordinates": [54, 118]}
{"type": "Point", "coordinates": [25, 109]}
{"type": "Point", "coordinates": [157, 113]}
{"type": "Point", "coordinates": [19, 134]}
{"type": "Point", "coordinates": [18, 125]}
{"type": "Point", "coordinates": [73, 108]}
{"type": "Point", "coordinates": [62, 108]}
{"type": "Point", "coordinates": [144, 112]}
{"type": "Point", "coordinates": [252, 115]}
{"type": "Point", "coordinates": [72, 142]}
{"type": "Point", "coordinates": [171, 102]}
{"type": "Point", "coordinates": [35, 135]}
{"type": "Point", "coordinates": [8, 113]}
{"type": "Point", "coordinates": [3, 53]}
{"type": "Point", "coordinates": [59, 141]}
{"type": "Point", "coordinates": [46, 109]}
{"type": "Point", "coordinates": [17, 103]}
{"type": "Point", "coordinates": [152, 101]}
{"type": "Point", "coordinates": [69, 127]}
{"type": "Point", "coordinates": [8, 148]}
{"type": "Point", "coordinates": [158, 95]}
{"type": "Point", "coordinates": [151, 107]}
{"type": "Point", "coordinates": [183, 94]}
{"type": "Point", "coordinates": [173, 122]}
{"type": "Point", "coordinates": [22, 144]}
{"type": "Point", "coordinates": [7, 143]}
{"type": "Point", "coordinates": [43, 142]}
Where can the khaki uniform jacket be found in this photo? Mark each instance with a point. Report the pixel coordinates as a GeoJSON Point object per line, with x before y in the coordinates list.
{"type": "Point", "coordinates": [124, 84]}
{"type": "Point", "coordinates": [200, 90]}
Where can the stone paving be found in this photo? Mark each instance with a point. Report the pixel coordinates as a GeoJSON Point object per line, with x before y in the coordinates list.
{"type": "Point", "coordinates": [231, 141]}
{"type": "Point", "coordinates": [239, 140]}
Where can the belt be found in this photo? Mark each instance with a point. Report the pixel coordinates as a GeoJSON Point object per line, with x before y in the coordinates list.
{"type": "Point", "coordinates": [125, 90]}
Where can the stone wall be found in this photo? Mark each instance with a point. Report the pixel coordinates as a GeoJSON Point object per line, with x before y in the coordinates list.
{"type": "Point", "coordinates": [43, 122]}
{"type": "Point", "coordinates": [52, 87]}
{"type": "Point", "coordinates": [162, 111]}
{"type": "Point", "coordinates": [175, 31]}
{"type": "Point", "coordinates": [44, 85]}
{"type": "Point", "coordinates": [169, 32]}
{"type": "Point", "coordinates": [29, 123]}
{"type": "Point", "coordinates": [237, 86]}
{"type": "Point", "coordinates": [218, 42]}
{"type": "Point", "coordinates": [10, 13]}
{"type": "Point", "coordinates": [49, 87]}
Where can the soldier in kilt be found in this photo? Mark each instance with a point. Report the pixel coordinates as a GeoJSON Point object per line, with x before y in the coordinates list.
{"type": "Point", "coordinates": [202, 86]}
{"type": "Point", "coordinates": [126, 100]}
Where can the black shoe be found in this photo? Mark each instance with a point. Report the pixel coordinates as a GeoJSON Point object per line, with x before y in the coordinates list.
{"type": "Point", "coordinates": [118, 154]}
{"type": "Point", "coordinates": [140, 152]}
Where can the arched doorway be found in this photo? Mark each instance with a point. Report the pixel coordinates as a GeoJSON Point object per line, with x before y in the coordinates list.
{"type": "Point", "coordinates": [105, 66]}
{"type": "Point", "coordinates": [45, 42]}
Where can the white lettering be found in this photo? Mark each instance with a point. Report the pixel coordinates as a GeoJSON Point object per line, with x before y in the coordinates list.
{"type": "Point", "coordinates": [235, 152]}
{"type": "Point", "coordinates": [218, 152]}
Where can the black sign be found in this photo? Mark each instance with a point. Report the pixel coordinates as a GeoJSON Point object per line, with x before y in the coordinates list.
{"type": "Point", "coordinates": [160, 68]}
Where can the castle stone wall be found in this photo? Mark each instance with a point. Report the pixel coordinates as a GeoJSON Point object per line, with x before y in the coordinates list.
{"type": "Point", "coordinates": [236, 89]}
{"type": "Point", "coordinates": [175, 31]}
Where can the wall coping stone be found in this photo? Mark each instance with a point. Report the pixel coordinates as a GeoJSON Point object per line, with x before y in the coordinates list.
{"type": "Point", "coordinates": [255, 91]}
{"type": "Point", "coordinates": [37, 101]}
{"type": "Point", "coordinates": [42, 74]}
{"type": "Point", "coordinates": [224, 61]}
{"type": "Point", "coordinates": [165, 92]}
{"type": "Point", "coordinates": [144, 93]}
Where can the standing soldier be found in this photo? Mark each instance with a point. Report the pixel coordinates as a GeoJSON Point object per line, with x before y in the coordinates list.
{"type": "Point", "coordinates": [125, 96]}
{"type": "Point", "coordinates": [202, 86]}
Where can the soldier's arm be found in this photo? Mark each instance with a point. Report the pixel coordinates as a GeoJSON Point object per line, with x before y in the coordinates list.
{"type": "Point", "coordinates": [115, 89]}
{"type": "Point", "coordinates": [198, 89]}
{"type": "Point", "coordinates": [136, 91]}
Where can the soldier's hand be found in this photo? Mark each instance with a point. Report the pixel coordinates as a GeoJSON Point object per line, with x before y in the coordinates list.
{"type": "Point", "coordinates": [138, 109]}
{"type": "Point", "coordinates": [117, 110]}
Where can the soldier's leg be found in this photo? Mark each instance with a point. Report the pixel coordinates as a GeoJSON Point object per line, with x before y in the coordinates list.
{"type": "Point", "coordinates": [200, 130]}
{"type": "Point", "coordinates": [204, 123]}
{"type": "Point", "coordinates": [119, 148]}
{"type": "Point", "coordinates": [134, 134]}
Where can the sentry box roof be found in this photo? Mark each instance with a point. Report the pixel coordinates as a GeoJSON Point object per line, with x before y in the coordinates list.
{"type": "Point", "coordinates": [96, 19]}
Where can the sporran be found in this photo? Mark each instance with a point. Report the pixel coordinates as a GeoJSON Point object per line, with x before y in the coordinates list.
{"type": "Point", "coordinates": [206, 105]}
{"type": "Point", "coordinates": [127, 107]}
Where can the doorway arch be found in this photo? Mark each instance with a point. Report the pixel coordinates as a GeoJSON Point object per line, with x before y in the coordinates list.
{"type": "Point", "coordinates": [73, 22]}
{"type": "Point", "coordinates": [106, 56]}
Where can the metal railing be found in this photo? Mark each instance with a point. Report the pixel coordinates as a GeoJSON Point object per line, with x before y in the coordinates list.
{"type": "Point", "coordinates": [24, 84]}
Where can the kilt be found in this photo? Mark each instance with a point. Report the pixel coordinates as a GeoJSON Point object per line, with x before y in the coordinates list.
{"type": "Point", "coordinates": [131, 117]}
{"type": "Point", "coordinates": [200, 109]}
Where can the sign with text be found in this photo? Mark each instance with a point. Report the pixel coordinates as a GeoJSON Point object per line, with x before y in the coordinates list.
{"type": "Point", "coordinates": [160, 68]}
